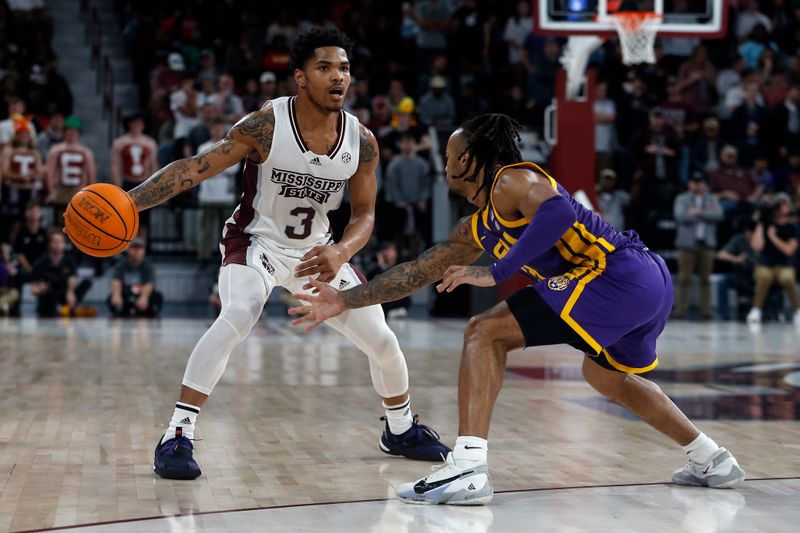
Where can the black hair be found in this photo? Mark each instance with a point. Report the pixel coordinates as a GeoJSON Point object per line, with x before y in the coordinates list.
{"type": "Point", "coordinates": [491, 142]}
{"type": "Point", "coordinates": [317, 37]}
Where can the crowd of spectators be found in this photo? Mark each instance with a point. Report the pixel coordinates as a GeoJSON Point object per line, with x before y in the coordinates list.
{"type": "Point", "coordinates": [717, 120]}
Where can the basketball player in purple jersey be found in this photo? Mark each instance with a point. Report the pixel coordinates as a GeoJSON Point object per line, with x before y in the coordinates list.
{"type": "Point", "coordinates": [594, 288]}
{"type": "Point", "coordinates": [299, 153]}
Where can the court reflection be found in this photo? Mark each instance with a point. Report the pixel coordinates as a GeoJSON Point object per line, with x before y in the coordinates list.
{"type": "Point", "coordinates": [741, 391]}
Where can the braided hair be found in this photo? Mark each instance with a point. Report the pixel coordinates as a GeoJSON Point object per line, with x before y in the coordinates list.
{"type": "Point", "coordinates": [491, 141]}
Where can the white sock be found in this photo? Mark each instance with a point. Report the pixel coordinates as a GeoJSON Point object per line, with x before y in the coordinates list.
{"type": "Point", "coordinates": [471, 449]}
{"type": "Point", "coordinates": [398, 417]}
{"type": "Point", "coordinates": [184, 418]}
{"type": "Point", "coordinates": [701, 449]}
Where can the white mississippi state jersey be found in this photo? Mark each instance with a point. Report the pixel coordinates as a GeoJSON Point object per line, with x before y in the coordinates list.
{"type": "Point", "coordinates": [286, 198]}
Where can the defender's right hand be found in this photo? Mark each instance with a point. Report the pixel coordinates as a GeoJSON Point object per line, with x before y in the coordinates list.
{"type": "Point", "coordinates": [326, 303]}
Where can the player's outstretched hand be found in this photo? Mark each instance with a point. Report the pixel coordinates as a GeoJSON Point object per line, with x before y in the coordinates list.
{"type": "Point", "coordinates": [470, 275]}
{"type": "Point", "coordinates": [325, 303]}
{"type": "Point", "coordinates": [323, 261]}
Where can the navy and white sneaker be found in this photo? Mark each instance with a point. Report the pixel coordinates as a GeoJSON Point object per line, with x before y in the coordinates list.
{"type": "Point", "coordinates": [173, 459]}
{"type": "Point", "coordinates": [420, 443]}
{"type": "Point", "coordinates": [466, 483]}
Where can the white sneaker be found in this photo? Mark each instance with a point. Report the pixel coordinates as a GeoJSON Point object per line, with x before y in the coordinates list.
{"type": "Point", "coordinates": [463, 484]}
{"type": "Point", "coordinates": [720, 472]}
{"type": "Point", "coordinates": [754, 316]}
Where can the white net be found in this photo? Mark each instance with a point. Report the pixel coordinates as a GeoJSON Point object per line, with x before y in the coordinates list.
{"type": "Point", "coordinates": [637, 34]}
{"type": "Point", "coordinates": [575, 58]}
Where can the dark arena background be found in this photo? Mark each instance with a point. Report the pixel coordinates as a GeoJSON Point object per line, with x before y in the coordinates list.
{"type": "Point", "coordinates": [679, 119]}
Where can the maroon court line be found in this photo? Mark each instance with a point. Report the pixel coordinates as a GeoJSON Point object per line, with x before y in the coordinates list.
{"type": "Point", "coordinates": [292, 505]}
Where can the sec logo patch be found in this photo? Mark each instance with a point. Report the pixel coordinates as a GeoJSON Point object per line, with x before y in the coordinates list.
{"type": "Point", "coordinates": [558, 283]}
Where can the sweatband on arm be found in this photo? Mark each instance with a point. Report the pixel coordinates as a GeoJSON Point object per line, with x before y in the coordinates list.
{"type": "Point", "coordinates": [554, 216]}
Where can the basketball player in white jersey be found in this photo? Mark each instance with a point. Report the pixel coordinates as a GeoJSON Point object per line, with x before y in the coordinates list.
{"type": "Point", "coordinates": [299, 153]}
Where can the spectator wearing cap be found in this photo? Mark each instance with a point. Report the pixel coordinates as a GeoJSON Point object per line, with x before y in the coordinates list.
{"type": "Point", "coordinates": [697, 213]}
{"type": "Point", "coordinates": [436, 107]}
{"type": "Point", "coordinates": [404, 122]}
{"type": "Point", "coordinates": [51, 135]}
{"type": "Point", "coordinates": [70, 166]}
{"type": "Point", "coordinates": [54, 279]}
{"type": "Point", "coordinates": [16, 111]}
{"type": "Point", "coordinates": [168, 78]}
{"type": "Point", "coordinates": [267, 87]}
{"type": "Point", "coordinates": [133, 284]}
{"type": "Point", "coordinates": [707, 148]}
{"type": "Point", "coordinates": [21, 166]}
{"type": "Point", "coordinates": [613, 201]}
{"type": "Point", "coordinates": [735, 186]}
{"type": "Point", "coordinates": [775, 241]}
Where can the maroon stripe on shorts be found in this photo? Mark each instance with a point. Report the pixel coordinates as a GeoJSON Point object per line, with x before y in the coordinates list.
{"type": "Point", "coordinates": [236, 240]}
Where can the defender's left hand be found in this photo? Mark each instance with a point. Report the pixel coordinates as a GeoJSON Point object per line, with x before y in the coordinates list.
{"type": "Point", "coordinates": [322, 260]}
{"type": "Point", "coordinates": [470, 275]}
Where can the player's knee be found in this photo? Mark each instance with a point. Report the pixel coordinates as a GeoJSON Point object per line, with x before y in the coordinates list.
{"type": "Point", "coordinates": [484, 328]}
{"type": "Point", "coordinates": [242, 316]}
{"type": "Point", "coordinates": [383, 345]}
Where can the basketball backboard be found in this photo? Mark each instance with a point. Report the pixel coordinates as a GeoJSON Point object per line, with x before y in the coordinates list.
{"type": "Point", "coordinates": [680, 18]}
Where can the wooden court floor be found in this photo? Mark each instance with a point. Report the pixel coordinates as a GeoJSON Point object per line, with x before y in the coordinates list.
{"type": "Point", "coordinates": [295, 421]}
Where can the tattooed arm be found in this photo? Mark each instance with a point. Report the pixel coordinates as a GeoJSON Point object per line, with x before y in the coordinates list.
{"type": "Point", "coordinates": [252, 136]}
{"type": "Point", "coordinates": [397, 282]}
{"type": "Point", "coordinates": [405, 278]}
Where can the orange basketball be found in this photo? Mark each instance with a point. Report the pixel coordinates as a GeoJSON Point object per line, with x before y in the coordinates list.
{"type": "Point", "coordinates": [101, 220]}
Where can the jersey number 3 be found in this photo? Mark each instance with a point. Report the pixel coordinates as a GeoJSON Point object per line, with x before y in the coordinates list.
{"type": "Point", "coordinates": [307, 217]}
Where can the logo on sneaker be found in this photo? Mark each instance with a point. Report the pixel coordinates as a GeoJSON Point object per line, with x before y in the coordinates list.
{"type": "Point", "coordinates": [186, 421]}
{"type": "Point", "coordinates": [472, 448]}
{"type": "Point", "coordinates": [471, 487]}
{"type": "Point", "coordinates": [315, 161]}
{"type": "Point", "coordinates": [343, 283]}
{"type": "Point", "coordinates": [707, 469]}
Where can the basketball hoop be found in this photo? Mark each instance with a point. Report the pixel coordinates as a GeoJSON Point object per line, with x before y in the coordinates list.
{"type": "Point", "coordinates": [637, 35]}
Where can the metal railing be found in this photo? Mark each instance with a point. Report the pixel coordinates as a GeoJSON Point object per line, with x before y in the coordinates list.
{"type": "Point", "coordinates": [102, 64]}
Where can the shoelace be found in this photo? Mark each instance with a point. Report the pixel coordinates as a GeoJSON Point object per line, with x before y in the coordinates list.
{"type": "Point", "coordinates": [423, 429]}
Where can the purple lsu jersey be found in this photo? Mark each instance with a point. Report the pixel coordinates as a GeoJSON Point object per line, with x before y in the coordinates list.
{"type": "Point", "coordinates": [605, 284]}
{"type": "Point", "coordinates": [583, 247]}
